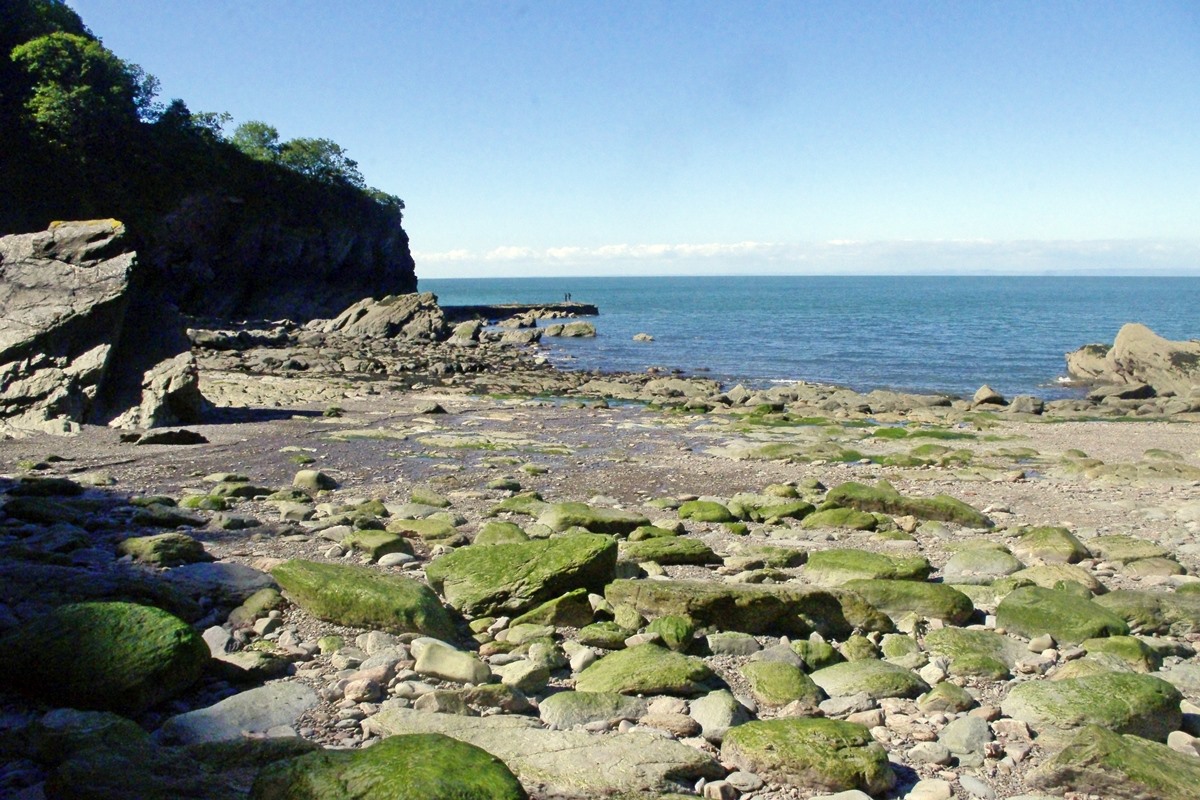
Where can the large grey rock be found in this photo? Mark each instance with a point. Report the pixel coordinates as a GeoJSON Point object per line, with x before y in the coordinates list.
{"type": "Point", "coordinates": [404, 316]}
{"type": "Point", "coordinates": [254, 712]}
{"type": "Point", "coordinates": [1122, 702]}
{"type": "Point", "coordinates": [1101, 763]}
{"type": "Point", "coordinates": [570, 763]}
{"type": "Point", "coordinates": [565, 710]}
{"type": "Point", "coordinates": [82, 337]}
{"type": "Point", "coordinates": [1139, 355]}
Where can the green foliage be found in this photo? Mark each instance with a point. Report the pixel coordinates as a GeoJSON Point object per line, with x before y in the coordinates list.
{"type": "Point", "coordinates": [321, 159]}
{"type": "Point", "coordinates": [257, 139]}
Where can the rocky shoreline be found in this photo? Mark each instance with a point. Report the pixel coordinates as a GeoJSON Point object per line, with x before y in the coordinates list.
{"type": "Point", "coordinates": [606, 585]}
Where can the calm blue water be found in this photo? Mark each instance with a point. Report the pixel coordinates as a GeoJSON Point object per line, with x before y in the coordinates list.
{"type": "Point", "coordinates": [911, 333]}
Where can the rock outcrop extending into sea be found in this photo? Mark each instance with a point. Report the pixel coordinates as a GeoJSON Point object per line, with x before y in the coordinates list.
{"type": "Point", "coordinates": [407, 555]}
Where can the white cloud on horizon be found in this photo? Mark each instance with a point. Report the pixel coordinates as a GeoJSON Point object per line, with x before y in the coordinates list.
{"type": "Point", "coordinates": [836, 256]}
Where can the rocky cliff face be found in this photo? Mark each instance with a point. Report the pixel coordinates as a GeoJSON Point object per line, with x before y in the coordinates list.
{"type": "Point", "coordinates": [236, 258]}
{"type": "Point", "coordinates": [82, 337]}
{"type": "Point", "coordinates": [1139, 356]}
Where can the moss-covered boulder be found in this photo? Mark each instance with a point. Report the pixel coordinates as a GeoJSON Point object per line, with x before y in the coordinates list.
{"type": "Point", "coordinates": [377, 544]}
{"type": "Point", "coordinates": [1032, 610]}
{"type": "Point", "coordinates": [1050, 545]}
{"type": "Point", "coordinates": [816, 654]}
{"type": "Point", "coordinates": [756, 609]}
{"type": "Point", "coordinates": [431, 530]}
{"type": "Point", "coordinates": [705, 511]}
{"type": "Point", "coordinates": [976, 654]}
{"type": "Point", "coordinates": [776, 683]}
{"type": "Point", "coordinates": [561, 516]}
{"type": "Point", "coordinates": [766, 556]}
{"type": "Point", "coordinates": [513, 578]}
{"type": "Point", "coordinates": [118, 657]}
{"type": "Point", "coordinates": [850, 518]}
{"type": "Point", "coordinates": [884, 498]}
{"type": "Point", "coordinates": [1130, 651]}
{"type": "Point", "coordinates": [669, 550]}
{"type": "Point", "coordinates": [164, 549]}
{"type": "Point", "coordinates": [829, 754]}
{"type": "Point", "coordinates": [1123, 549]}
{"type": "Point", "coordinates": [676, 632]}
{"type": "Point", "coordinates": [643, 532]}
{"type": "Point", "coordinates": [900, 598]}
{"type": "Point", "coordinates": [528, 504]}
{"type": "Point", "coordinates": [946, 697]}
{"type": "Point", "coordinates": [796, 509]}
{"type": "Point", "coordinates": [1155, 612]}
{"type": "Point", "coordinates": [411, 767]}
{"type": "Point", "coordinates": [1060, 576]}
{"type": "Point", "coordinates": [646, 669]}
{"type": "Point", "coordinates": [496, 532]}
{"type": "Point", "coordinates": [364, 598]}
{"type": "Point", "coordinates": [1101, 763]}
{"type": "Point", "coordinates": [877, 679]}
{"type": "Point", "coordinates": [980, 566]}
{"type": "Point", "coordinates": [606, 635]}
{"type": "Point", "coordinates": [571, 610]}
{"type": "Point", "coordinates": [1122, 702]}
{"type": "Point", "coordinates": [835, 567]}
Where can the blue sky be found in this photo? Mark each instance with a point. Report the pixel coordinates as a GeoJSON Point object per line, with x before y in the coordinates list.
{"type": "Point", "coordinates": [718, 137]}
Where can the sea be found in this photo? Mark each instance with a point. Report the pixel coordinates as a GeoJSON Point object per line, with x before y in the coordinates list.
{"type": "Point", "coordinates": [925, 334]}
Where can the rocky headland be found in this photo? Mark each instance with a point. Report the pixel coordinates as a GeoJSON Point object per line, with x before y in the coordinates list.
{"type": "Point", "coordinates": [398, 551]}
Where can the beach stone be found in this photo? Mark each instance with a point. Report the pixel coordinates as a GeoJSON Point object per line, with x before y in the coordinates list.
{"type": "Point", "coordinates": [438, 660]}
{"type": "Point", "coordinates": [1033, 610]}
{"type": "Point", "coordinates": [1050, 545]}
{"type": "Point", "coordinates": [571, 610]}
{"type": "Point", "coordinates": [1104, 763]}
{"type": "Point", "coordinates": [571, 763]}
{"type": "Point", "coordinates": [816, 654]}
{"type": "Point", "coordinates": [527, 676]}
{"type": "Point", "coordinates": [732, 643]}
{"type": "Point", "coordinates": [809, 753]}
{"type": "Point", "coordinates": [774, 684]}
{"type": "Point", "coordinates": [1153, 567]}
{"type": "Point", "coordinates": [566, 710]}
{"type": "Point", "coordinates": [429, 530]}
{"type": "Point", "coordinates": [1059, 576]}
{"type": "Point", "coordinates": [717, 712]}
{"type": "Point", "coordinates": [164, 549]}
{"type": "Point", "coordinates": [411, 767]}
{"type": "Point", "coordinates": [646, 669]}
{"type": "Point", "coordinates": [226, 580]}
{"type": "Point", "coordinates": [884, 498]}
{"type": "Point", "coordinates": [966, 735]}
{"type": "Point", "coordinates": [837, 566]}
{"type": "Point", "coordinates": [669, 551]}
{"type": "Point", "coordinates": [1154, 612]}
{"type": "Point", "coordinates": [1130, 651]}
{"type": "Point", "coordinates": [754, 609]}
{"type": "Point", "coordinates": [253, 712]}
{"type": "Point", "coordinates": [930, 789]}
{"type": "Point", "coordinates": [674, 632]}
{"type": "Point", "coordinates": [976, 787]}
{"type": "Point", "coordinates": [975, 653]}
{"type": "Point", "coordinates": [929, 753]}
{"type": "Point", "coordinates": [512, 578]}
{"type": "Point", "coordinates": [903, 651]}
{"type": "Point", "coordinates": [1123, 549]}
{"type": "Point", "coordinates": [365, 598]}
{"type": "Point", "coordinates": [979, 566]}
{"type": "Point", "coordinates": [496, 532]}
{"type": "Point", "coordinates": [876, 679]}
{"type": "Point", "coordinates": [1122, 702]}
{"type": "Point", "coordinates": [651, 532]}
{"type": "Point", "coordinates": [377, 544]}
{"type": "Point", "coordinates": [946, 697]}
{"type": "Point", "coordinates": [850, 518]}
{"type": "Point", "coordinates": [111, 656]}
{"type": "Point", "coordinates": [704, 511]}
{"type": "Point", "coordinates": [559, 517]}
{"type": "Point", "coordinates": [897, 598]}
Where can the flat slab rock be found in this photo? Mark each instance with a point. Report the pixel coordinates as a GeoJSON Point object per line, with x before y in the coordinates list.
{"type": "Point", "coordinates": [256, 711]}
{"type": "Point", "coordinates": [566, 763]}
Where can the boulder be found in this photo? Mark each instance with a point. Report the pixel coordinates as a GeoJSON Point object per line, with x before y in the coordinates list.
{"type": "Point", "coordinates": [824, 753]}
{"type": "Point", "coordinates": [1122, 702]}
{"type": "Point", "coordinates": [837, 566]}
{"type": "Point", "coordinates": [979, 566]}
{"type": "Point", "coordinates": [1176, 613]}
{"type": "Point", "coordinates": [560, 516]}
{"type": "Point", "coordinates": [646, 669]}
{"type": "Point", "coordinates": [900, 598]}
{"type": "Point", "coordinates": [876, 679]}
{"type": "Point", "coordinates": [775, 683]}
{"type": "Point", "coordinates": [407, 767]}
{"type": "Point", "coordinates": [974, 653]}
{"type": "Point", "coordinates": [667, 550]}
{"type": "Point", "coordinates": [1050, 545]}
{"type": "Point", "coordinates": [117, 657]}
{"type": "Point", "coordinates": [83, 339]}
{"type": "Point", "coordinates": [884, 498]}
{"type": "Point", "coordinates": [404, 316]}
{"type": "Point", "coordinates": [251, 713]}
{"type": "Point", "coordinates": [1101, 763]}
{"type": "Point", "coordinates": [1070, 619]}
{"type": "Point", "coordinates": [1139, 355]}
{"type": "Point", "coordinates": [515, 577]}
{"type": "Point", "coordinates": [566, 710]}
{"type": "Point", "coordinates": [362, 597]}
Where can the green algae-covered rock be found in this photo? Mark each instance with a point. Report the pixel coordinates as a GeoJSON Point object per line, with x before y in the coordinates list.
{"type": "Point", "coordinates": [981, 654]}
{"type": "Point", "coordinates": [903, 651]}
{"type": "Point", "coordinates": [364, 598]}
{"type": "Point", "coordinates": [571, 610]}
{"type": "Point", "coordinates": [669, 550]}
{"type": "Point", "coordinates": [561, 516]}
{"type": "Point", "coordinates": [676, 632]}
{"type": "Point", "coordinates": [705, 511]}
{"type": "Point", "coordinates": [164, 550]}
{"type": "Point", "coordinates": [816, 655]}
{"type": "Point", "coordinates": [255, 606]}
{"type": "Point", "coordinates": [515, 577]}
{"type": "Point", "coordinates": [1130, 651]}
{"type": "Point", "coordinates": [1123, 549]}
{"type": "Point", "coordinates": [797, 509]}
{"type": "Point", "coordinates": [606, 635]}
{"type": "Point", "coordinates": [433, 531]}
{"type": "Point", "coordinates": [898, 598]}
{"type": "Point", "coordinates": [859, 648]}
{"type": "Point", "coordinates": [1123, 702]}
{"type": "Point", "coordinates": [1060, 576]}
{"type": "Point", "coordinates": [850, 518]}
{"type": "Point", "coordinates": [775, 683]}
{"type": "Point", "coordinates": [884, 498]}
{"type": "Point", "coordinates": [1176, 613]}
{"type": "Point", "coordinates": [529, 504]}
{"type": "Point", "coordinates": [1032, 610]}
{"type": "Point", "coordinates": [377, 544]}
{"type": "Point", "coordinates": [826, 753]}
{"type": "Point", "coordinates": [565, 710]}
{"type": "Point", "coordinates": [1050, 545]}
{"type": "Point", "coordinates": [946, 697]}
{"type": "Point", "coordinates": [496, 532]}
{"type": "Point", "coordinates": [646, 669]}
{"type": "Point", "coordinates": [118, 657]}
{"type": "Point", "coordinates": [412, 767]}
{"type": "Point", "coordinates": [766, 556]}
{"type": "Point", "coordinates": [757, 609]}
{"type": "Point", "coordinates": [651, 532]}
{"type": "Point", "coordinates": [427, 497]}
{"type": "Point", "coordinates": [835, 567]}
{"type": "Point", "coordinates": [878, 679]}
{"type": "Point", "coordinates": [1101, 763]}
{"type": "Point", "coordinates": [979, 566]}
